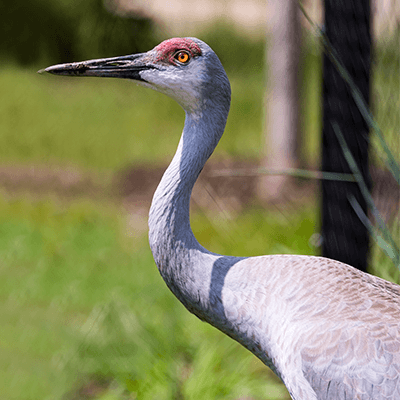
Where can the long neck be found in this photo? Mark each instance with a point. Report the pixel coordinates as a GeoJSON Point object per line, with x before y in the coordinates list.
{"type": "Point", "coordinates": [169, 224]}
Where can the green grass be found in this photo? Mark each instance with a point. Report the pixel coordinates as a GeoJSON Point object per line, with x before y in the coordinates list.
{"type": "Point", "coordinates": [386, 96]}
{"type": "Point", "coordinates": [81, 301]}
{"type": "Point", "coordinates": [258, 232]}
{"type": "Point", "coordinates": [74, 121]}
{"type": "Point", "coordinates": [107, 124]}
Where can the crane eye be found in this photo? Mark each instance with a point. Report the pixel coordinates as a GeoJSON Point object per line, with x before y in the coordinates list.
{"type": "Point", "coordinates": [182, 56]}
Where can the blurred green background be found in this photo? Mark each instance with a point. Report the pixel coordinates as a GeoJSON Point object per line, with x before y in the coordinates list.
{"type": "Point", "coordinates": [84, 312]}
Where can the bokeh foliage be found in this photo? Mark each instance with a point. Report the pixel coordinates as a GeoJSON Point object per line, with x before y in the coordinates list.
{"type": "Point", "coordinates": [48, 32]}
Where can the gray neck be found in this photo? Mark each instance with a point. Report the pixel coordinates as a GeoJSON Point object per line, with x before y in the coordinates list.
{"type": "Point", "coordinates": [195, 275]}
{"type": "Point", "coordinates": [169, 224]}
{"type": "Point", "coordinates": [174, 247]}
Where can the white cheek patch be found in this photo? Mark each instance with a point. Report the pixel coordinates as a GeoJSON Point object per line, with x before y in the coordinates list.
{"type": "Point", "coordinates": [183, 84]}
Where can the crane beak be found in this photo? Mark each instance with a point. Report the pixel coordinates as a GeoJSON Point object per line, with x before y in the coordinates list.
{"type": "Point", "coordinates": [116, 67]}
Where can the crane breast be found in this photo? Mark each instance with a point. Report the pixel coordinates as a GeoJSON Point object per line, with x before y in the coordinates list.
{"type": "Point", "coordinates": [339, 328]}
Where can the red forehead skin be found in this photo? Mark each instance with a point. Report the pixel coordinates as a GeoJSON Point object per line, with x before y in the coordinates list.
{"type": "Point", "coordinates": [168, 48]}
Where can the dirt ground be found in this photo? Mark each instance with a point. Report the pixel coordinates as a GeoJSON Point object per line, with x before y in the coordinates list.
{"type": "Point", "coordinates": [133, 186]}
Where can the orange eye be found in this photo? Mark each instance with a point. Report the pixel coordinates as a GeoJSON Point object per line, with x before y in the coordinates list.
{"type": "Point", "coordinates": [182, 57]}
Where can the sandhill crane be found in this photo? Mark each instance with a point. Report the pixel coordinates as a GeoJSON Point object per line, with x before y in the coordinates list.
{"type": "Point", "coordinates": [326, 329]}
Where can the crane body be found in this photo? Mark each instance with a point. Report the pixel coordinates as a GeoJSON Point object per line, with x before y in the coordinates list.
{"type": "Point", "coordinates": [326, 329]}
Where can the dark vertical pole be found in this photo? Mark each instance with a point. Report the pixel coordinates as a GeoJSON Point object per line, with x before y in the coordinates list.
{"type": "Point", "coordinates": [347, 25]}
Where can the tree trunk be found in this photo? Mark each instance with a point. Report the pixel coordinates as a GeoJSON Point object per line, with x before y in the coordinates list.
{"type": "Point", "coordinates": [282, 104]}
{"type": "Point", "coordinates": [347, 24]}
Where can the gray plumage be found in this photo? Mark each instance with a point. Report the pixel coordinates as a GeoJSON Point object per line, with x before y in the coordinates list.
{"type": "Point", "coordinates": [326, 329]}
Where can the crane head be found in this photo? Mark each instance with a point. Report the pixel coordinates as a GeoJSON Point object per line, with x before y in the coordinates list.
{"type": "Point", "coordinates": [185, 69]}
